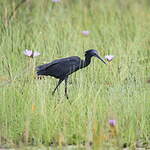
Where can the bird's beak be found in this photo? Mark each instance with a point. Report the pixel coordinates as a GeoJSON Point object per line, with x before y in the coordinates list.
{"type": "Point", "coordinates": [100, 59]}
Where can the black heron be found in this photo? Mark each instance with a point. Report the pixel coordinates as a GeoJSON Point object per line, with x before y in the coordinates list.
{"type": "Point", "coordinates": [62, 68]}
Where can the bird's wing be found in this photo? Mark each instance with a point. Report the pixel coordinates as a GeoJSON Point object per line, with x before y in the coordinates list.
{"type": "Point", "coordinates": [68, 60]}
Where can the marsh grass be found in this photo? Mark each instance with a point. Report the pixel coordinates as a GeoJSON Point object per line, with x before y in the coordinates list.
{"type": "Point", "coordinates": [29, 114]}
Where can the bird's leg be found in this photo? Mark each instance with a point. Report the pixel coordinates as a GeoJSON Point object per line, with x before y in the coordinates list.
{"type": "Point", "coordinates": [66, 79]}
{"type": "Point", "coordinates": [59, 82]}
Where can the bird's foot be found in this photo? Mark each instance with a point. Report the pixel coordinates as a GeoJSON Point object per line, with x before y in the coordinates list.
{"type": "Point", "coordinates": [53, 92]}
{"type": "Point", "coordinates": [67, 96]}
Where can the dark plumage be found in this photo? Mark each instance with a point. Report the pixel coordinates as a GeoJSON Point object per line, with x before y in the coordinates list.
{"type": "Point", "coordinates": [62, 68]}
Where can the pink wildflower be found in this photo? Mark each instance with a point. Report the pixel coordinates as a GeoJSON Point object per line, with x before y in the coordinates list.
{"type": "Point", "coordinates": [112, 123]}
{"type": "Point", "coordinates": [109, 57]}
{"type": "Point", "coordinates": [31, 53]}
{"type": "Point", "coordinates": [85, 32]}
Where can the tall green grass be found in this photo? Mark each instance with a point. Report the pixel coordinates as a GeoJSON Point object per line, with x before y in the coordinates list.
{"type": "Point", "coordinates": [29, 114]}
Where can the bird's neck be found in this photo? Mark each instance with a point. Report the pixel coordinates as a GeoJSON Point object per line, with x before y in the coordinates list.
{"type": "Point", "coordinates": [87, 61]}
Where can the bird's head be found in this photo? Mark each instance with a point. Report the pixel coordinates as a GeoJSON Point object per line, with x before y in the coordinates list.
{"type": "Point", "coordinates": [93, 52]}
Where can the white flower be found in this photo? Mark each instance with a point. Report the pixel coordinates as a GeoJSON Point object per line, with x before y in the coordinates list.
{"type": "Point", "coordinates": [31, 53]}
{"type": "Point", "coordinates": [56, 1]}
{"type": "Point", "coordinates": [109, 57]}
{"type": "Point", "coordinates": [85, 32]}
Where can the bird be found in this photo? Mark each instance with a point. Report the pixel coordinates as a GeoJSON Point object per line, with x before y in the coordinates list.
{"type": "Point", "coordinates": [63, 67]}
